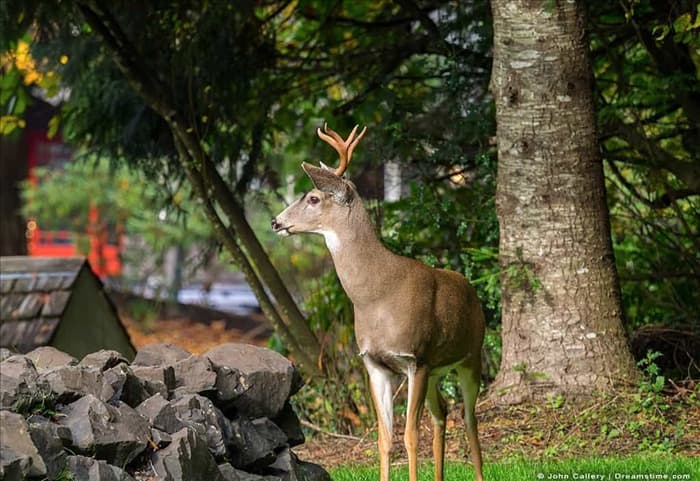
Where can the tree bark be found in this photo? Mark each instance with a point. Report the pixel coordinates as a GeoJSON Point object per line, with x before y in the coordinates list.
{"type": "Point", "coordinates": [562, 312]}
{"type": "Point", "coordinates": [13, 241]}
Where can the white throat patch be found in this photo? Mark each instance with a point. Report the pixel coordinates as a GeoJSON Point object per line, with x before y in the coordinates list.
{"type": "Point", "coordinates": [332, 241]}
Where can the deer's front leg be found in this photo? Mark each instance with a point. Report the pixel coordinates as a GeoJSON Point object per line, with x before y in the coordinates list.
{"type": "Point", "coordinates": [417, 385]}
{"type": "Point", "coordinates": [380, 383]}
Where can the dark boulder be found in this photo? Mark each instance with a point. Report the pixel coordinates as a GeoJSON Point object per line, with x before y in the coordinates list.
{"type": "Point", "coordinates": [17, 451]}
{"type": "Point", "coordinates": [116, 434]}
{"type": "Point", "coordinates": [47, 357]}
{"type": "Point", "coordinates": [187, 458]}
{"type": "Point", "coordinates": [266, 378]}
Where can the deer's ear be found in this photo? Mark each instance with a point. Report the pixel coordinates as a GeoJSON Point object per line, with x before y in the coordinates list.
{"type": "Point", "coordinates": [326, 181]}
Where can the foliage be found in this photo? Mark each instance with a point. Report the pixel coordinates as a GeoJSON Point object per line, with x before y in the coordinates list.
{"type": "Point", "coordinates": [41, 400]}
{"type": "Point", "coordinates": [126, 204]}
{"type": "Point", "coordinates": [20, 72]}
{"type": "Point", "coordinates": [646, 66]}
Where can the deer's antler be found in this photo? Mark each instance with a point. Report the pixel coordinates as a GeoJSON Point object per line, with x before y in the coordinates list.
{"type": "Point", "coordinates": [343, 147]}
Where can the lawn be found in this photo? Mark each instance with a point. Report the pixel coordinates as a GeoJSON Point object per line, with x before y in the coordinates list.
{"type": "Point", "coordinates": [603, 469]}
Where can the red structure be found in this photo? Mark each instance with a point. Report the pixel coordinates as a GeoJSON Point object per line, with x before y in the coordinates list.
{"type": "Point", "coordinates": [103, 247]}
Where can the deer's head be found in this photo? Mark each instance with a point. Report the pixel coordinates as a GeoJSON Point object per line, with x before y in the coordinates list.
{"type": "Point", "coordinates": [332, 195]}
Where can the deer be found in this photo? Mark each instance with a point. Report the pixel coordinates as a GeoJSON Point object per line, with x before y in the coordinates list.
{"type": "Point", "coordinates": [409, 318]}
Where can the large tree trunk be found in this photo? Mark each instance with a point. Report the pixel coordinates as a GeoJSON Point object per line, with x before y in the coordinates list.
{"type": "Point", "coordinates": [562, 313]}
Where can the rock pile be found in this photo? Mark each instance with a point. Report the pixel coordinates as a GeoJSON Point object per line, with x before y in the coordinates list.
{"type": "Point", "coordinates": [168, 415]}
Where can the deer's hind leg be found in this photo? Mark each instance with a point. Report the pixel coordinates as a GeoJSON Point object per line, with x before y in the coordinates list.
{"type": "Point", "coordinates": [470, 382]}
{"type": "Point", "coordinates": [438, 411]}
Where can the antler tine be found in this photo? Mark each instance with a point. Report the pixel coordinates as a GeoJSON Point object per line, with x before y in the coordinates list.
{"type": "Point", "coordinates": [343, 147]}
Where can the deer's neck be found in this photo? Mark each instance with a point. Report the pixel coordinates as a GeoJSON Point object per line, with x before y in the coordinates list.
{"type": "Point", "coordinates": [359, 257]}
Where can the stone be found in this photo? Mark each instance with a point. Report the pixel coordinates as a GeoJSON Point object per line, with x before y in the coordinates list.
{"type": "Point", "coordinates": [161, 414]}
{"type": "Point", "coordinates": [267, 379]}
{"type": "Point", "coordinates": [288, 468]}
{"type": "Point", "coordinates": [194, 374]}
{"type": "Point", "coordinates": [20, 388]}
{"type": "Point", "coordinates": [187, 458]}
{"type": "Point", "coordinates": [312, 472]}
{"type": "Point", "coordinates": [18, 451]}
{"type": "Point", "coordinates": [47, 357]}
{"type": "Point", "coordinates": [128, 386]}
{"type": "Point", "coordinates": [229, 473]}
{"type": "Point", "coordinates": [161, 354]}
{"type": "Point", "coordinates": [48, 441]}
{"type": "Point", "coordinates": [70, 382]}
{"type": "Point", "coordinates": [200, 413]}
{"type": "Point", "coordinates": [288, 421]}
{"type": "Point", "coordinates": [12, 465]}
{"type": "Point", "coordinates": [160, 438]}
{"type": "Point", "coordinates": [116, 434]}
{"type": "Point", "coordinates": [103, 359]}
{"type": "Point", "coordinates": [232, 474]}
{"type": "Point", "coordinates": [253, 444]}
{"type": "Point", "coordinates": [228, 387]}
{"type": "Point", "coordinates": [5, 353]}
{"type": "Point", "coordinates": [156, 376]}
{"type": "Point", "coordinates": [83, 468]}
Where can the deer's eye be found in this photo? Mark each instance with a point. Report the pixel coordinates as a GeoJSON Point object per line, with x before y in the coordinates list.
{"type": "Point", "coordinates": [313, 200]}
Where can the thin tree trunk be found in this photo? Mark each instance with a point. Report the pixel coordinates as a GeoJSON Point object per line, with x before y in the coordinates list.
{"type": "Point", "coordinates": [562, 313]}
{"type": "Point", "coordinates": [232, 228]}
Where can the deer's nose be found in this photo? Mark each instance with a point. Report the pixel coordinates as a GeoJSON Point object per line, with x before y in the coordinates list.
{"type": "Point", "coordinates": [275, 225]}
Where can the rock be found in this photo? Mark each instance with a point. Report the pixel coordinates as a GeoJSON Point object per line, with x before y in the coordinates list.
{"type": "Point", "coordinates": [288, 468]}
{"type": "Point", "coordinates": [18, 450]}
{"type": "Point", "coordinates": [103, 359]}
{"type": "Point", "coordinates": [285, 466]}
{"type": "Point", "coordinates": [160, 438]}
{"type": "Point", "coordinates": [127, 386]}
{"type": "Point", "coordinates": [228, 386]}
{"type": "Point", "coordinates": [47, 357]}
{"type": "Point", "coordinates": [5, 353]}
{"type": "Point", "coordinates": [156, 376]}
{"type": "Point", "coordinates": [229, 473]}
{"type": "Point", "coordinates": [48, 441]}
{"type": "Point", "coordinates": [159, 355]}
{"type": "Point", "coordinates": [288, 421]}
{"type": "Point", "coordinates": [161, 414]}
{"type": "Point", "coordinates": [116, 434]}
{"type": "Point", "coordinates": [187, 458]}
{"type": "Point", "coordinates": [12, 465]}
{"type": "Point", "coordinates": [83, 468]}
{"type": "Point", "coordinates": [253, 444]}
{"type": "Point", "coordinates": [194, 374]}
{"type": "Point", "coordinates": [20, 388]}
{"type": "Point", "coordinates": [70, 382]}
{"type": "Point", "coordinates": [267, 378]}
{"type": "Point", "coordinates": [312, 472]}
{"type": "Point", "coordinates": [200, 413]}
{"type": "Point", "coordinates": [232, 474]}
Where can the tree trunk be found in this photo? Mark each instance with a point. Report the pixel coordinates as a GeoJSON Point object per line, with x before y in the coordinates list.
{"type": "Point", "coordinates": [562, 313]}
{"type": "Point", "coordinates": [13, 169]}
{"type": "Point", "coordinates": [228, 220]}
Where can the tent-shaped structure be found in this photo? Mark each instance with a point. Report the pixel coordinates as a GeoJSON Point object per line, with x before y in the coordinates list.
{"type": "Point", "coordinates": [59, 302]}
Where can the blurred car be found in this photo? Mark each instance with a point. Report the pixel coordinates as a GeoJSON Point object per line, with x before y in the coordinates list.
{"type": "Point", "coordinates": [235, 298]}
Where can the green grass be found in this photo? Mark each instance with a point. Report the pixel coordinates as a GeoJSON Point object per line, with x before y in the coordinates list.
{"type": "Point", "coordinates": [603, 469]}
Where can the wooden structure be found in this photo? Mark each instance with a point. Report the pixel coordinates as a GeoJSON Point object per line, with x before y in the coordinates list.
{"type": "Point", "coordinates": [58, 302]}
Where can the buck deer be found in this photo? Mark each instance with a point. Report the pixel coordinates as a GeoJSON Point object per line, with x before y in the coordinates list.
{"type": "Point", "coordinates": [410, 319]}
